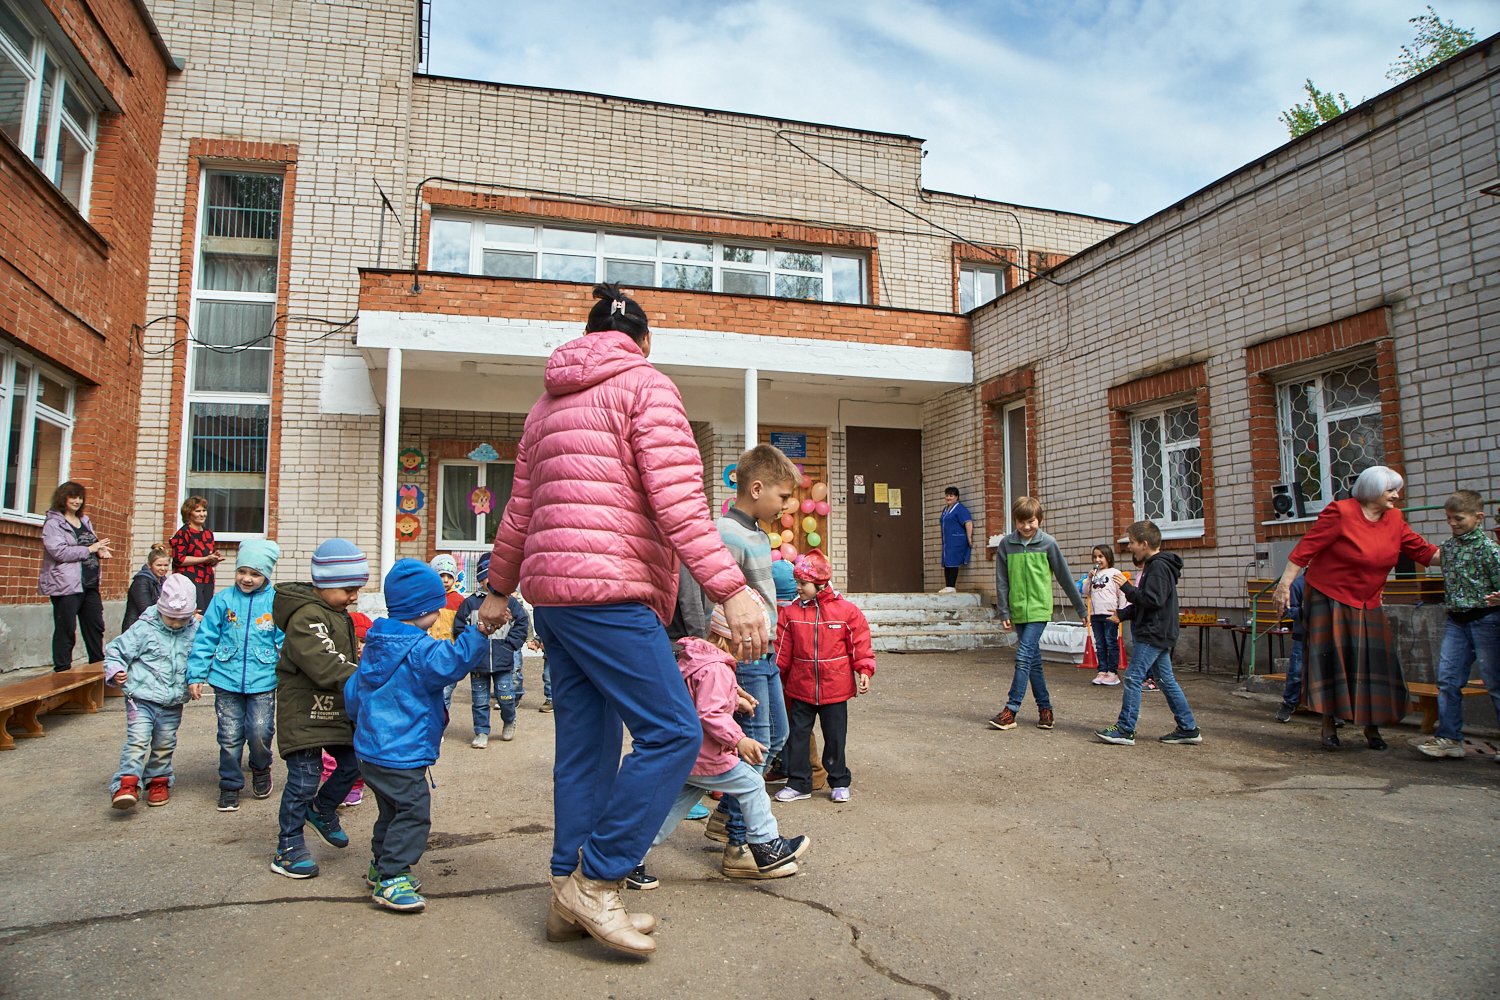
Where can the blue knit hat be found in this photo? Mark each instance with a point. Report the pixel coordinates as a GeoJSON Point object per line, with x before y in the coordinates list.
{"type": "Point", "coordinates": [259, 554]}
{"type": "Point", "coordinates": [339, 564]}
{"type": "Point", "coordinates": [482, 568]}
{"type": "Point", "coordinates": [413, 589]}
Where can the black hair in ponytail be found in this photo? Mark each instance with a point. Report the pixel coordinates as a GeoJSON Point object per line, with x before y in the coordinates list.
{"type": "Point", "coordinates": [617, 311]}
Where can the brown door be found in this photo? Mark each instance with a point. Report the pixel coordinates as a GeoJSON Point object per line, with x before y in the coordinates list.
{"type": "Point", "coordinates": [885, 540]}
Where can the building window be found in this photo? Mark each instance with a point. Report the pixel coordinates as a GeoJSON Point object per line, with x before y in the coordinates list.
{"type": "Point", "coordinates": [1329, 428]}
{"type": "Point", "coordinates": [43, 109]}
{"type": "Point", "coordinates": [978, 285]}
{"type": "Point", "coordinates": [36, 410]}
{"type": "Point", "coordinates": [232, 347]}
{"type": "Point", "coordinates": [471, 498]}
{"type": "Point", "coordinates": [520, 249]}
{"type": "Point", "coordinates": [1168, 469]}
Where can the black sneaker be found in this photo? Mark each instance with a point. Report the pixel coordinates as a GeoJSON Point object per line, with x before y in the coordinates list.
{"type": "Point", "coordinates": [778, 853]}
{"type": "Point", "coordinates": [1180, 735]}
{"type": "Point", "coordinates": [229, 800]}
{"type": "Point", "coordinates": [260, 783]}
{"type": "Point", "coordinates": [641, 879]}
{"type": "Point", "coordinates": [1119, 737]}
{"type": "Point", "coordinates": [1284, 713]}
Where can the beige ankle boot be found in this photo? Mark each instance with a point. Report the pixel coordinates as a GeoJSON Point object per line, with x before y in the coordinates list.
{"type": "Point", "coordinates": [561, 927]}
{"type": "Point", "coordinates": [595, 905]}
{"type": "Point", "coordinates": [714, 828]}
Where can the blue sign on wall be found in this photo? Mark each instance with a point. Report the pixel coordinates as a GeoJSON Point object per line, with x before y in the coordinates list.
{"type": "Point", "coordinates": [791, 445]}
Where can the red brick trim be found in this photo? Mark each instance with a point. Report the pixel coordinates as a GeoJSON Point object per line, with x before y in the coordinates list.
{"type": "Point", "coordinates": [1188, 382]}
{"type": "Point", "coordinates": [448, 450]}
{"type": "Point", "coordinates": [213, 153]}
{"type": "Point", "coordinates": [1002, 258]}
{"type": "Point", "coordinates": [1266, 363]}
{"type": "Point", "coordinates": [1041, 261]}
{"type": "Point", "coordinates": [995, 394]}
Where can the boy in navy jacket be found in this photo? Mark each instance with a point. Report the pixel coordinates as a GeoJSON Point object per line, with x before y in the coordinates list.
{"type": "Point", "coordinates": [499, 670]}
{"type": "Point", "coordinates": [395, 699]}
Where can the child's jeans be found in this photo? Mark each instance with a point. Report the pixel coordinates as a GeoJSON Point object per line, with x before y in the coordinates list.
{"type": "Point", "coordinates": [244, 720]}
{"type": "Point", "coordinates": [1291, 691]}
{"type": "Point", "coordinates": [405, 819]}
{"type": "Point", "coordinates": [742, 783]}
{"type": "Point", "coordinates": [546, 679]}
{"type": "Point", "coordinates": [767, 726]}
{"type": "Point", "coordinates": [503, 687]}
{"type": "Point", "coordinates": [303, 769]}
{"type": "Point", "coordinates": [1106, 643]}
{"type": "Point", "coordinates": [150, 738]}
{"type": "Point", "coordinates": [1028, 667]}
{"type": "Point", "coordinates": [1463, 643]}
{"type": "Point", "coordinates": [1158, 661]}
{"type": "Point", "coordinates": [796, 761]}
{"type": "Point", "coordinates": [518, 685]}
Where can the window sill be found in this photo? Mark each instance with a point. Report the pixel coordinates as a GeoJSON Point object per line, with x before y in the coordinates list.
{"type": "Point", "coordinates": [1309, 519]}
{"type": "Point", "coordinates": [21, 525]}
{"type": "Point", "coordinates": [446, 546]}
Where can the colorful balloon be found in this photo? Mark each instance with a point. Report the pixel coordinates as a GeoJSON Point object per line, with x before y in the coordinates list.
{"type": "Point", "coordinates": [788, 551]}
{"type": "Point", "coordinates": [809, 524]}
{"type": "Point", "coordinates": [821, 508]}
{"type": "Point", "coordinates": [808, 506]}
{"type": "Point", "coordinates": [775, 555]}
{"type": "Point", "coordinates": [787, 520]}
{"type": "Point", "coordinates": [775, 538]}
{"type": "Point", "coordinates": [814, 539]}
{"type": "Point", "coordinates": [805, 482]}
{"type": "Point", "coordinates": [820, 491]}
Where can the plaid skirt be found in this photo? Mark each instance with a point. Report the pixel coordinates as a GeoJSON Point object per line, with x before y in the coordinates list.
{"type": "Point", "coordinates": [1350, 663]}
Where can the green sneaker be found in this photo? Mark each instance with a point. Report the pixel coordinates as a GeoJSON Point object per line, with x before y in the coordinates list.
{"type": "Point", "coordinates": [372, 878]}
{"type": "Point", "coordinates": [295, 862]}
{"type": "Point", "coordinates": [1117, 736]}
{"type": "Point", "coordinates": [328, 829]}
{"type": "Point", "coordinates": [398, 894]}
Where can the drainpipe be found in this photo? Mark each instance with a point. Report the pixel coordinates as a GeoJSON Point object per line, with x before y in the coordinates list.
{"type": "Point", "coordinates": [389, 461]}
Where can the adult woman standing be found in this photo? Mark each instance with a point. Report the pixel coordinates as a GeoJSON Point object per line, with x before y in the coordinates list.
{"type": "Point", "coordinates": [70, 576]}
{"type": "Point", "coordinates": [1349, 655]}
{"type": "Point", "coordinates": [608, 494]}
{"type": "Point", "coordinates": [193, 552]}
{"type": "Point", "coordinates": [957, 526]}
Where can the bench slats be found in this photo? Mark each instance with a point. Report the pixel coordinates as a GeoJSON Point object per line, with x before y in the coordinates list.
{"type": "Point", "coordinates": [65, 691]}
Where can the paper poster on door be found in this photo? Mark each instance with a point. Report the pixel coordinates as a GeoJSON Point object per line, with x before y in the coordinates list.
{"type": "Point", "coordinates": [893, 497]}
{"type": "Point", "coordinates": [880, 491]}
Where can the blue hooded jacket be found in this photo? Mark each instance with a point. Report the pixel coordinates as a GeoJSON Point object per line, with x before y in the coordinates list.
{"type": "Point", "coordinates": [395, 698]}
{"type": "Point", "coordinates": [238, 642]}
{"type": "Point", "coordinates": [506, 641]}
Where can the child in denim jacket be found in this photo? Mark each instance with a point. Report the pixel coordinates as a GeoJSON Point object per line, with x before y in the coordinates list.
{"type": "Point", "coordinates": [150, 661]}
{"type": "Point", "coordinates": [235, 652]}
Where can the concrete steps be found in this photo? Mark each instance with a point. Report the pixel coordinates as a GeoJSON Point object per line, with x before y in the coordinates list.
{"type": "Point", "coordinates": [930, 622]}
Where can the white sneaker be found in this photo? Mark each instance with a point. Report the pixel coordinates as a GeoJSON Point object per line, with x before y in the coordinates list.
{"type": "Point", "coordinates": [948, 590]}
{"type": "Point", "coordinates": [1441, 746]}
{"type": "Point", "coordinates": [791, 795]}
{"type": "Point", "coordinates": [480, 741]}
{"type": "Point", "coordinates": [1098, 679]}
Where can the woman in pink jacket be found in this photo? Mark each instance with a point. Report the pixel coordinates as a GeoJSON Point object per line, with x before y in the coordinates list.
{"type": "Point", "coordinates": [608, 495]}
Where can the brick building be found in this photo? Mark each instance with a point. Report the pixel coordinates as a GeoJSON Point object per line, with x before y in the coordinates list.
{"type": "Point", "coordinates": [82, 90]}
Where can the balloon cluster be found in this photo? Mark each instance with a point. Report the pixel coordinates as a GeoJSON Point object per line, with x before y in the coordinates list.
{"type": "Point", "coordinates": [811, 508]}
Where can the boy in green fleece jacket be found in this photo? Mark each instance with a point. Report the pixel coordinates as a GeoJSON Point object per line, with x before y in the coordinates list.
{"type": "Point", "coordinates": [1027, 562]}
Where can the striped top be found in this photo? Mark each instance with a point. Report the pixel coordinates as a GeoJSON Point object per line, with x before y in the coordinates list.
{"type": "Point", "coordinates": [752, 551]}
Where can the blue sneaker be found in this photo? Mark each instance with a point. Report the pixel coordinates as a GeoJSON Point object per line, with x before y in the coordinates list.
{"type": "Point", "coordinates": [699, 811]}
{"type": "Point", "coordinates": [333, 835]}
{"type": "Point", "coordinates": [295, 862]}
{"type": "Point", "coordinates": [398, 894]}
{"type": "Point", "coordinates": [372, 878]}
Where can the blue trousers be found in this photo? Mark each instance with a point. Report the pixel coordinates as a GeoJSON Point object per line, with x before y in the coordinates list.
{"type": "Point", "coordinates": [304, 769]}
{"type": "Point", "coordinates": [613, 664]}
{"type": "Point", "coordinates": [503, 687]}
{"type": "Point", "coordinates": [244, 720]}
{"type": "Point", "coordinates": [1291, 691]}
{"type": "Point", "coordinates": [150, 738]}
{"type": "Point", "coordinates": [1464, 644]}
{"type": "Point", "coordinates": [1029, 667]}
{"type": "Point", "coordinates": [1154, 659]}
{"type": "Point", "coordinates": [742, 783]}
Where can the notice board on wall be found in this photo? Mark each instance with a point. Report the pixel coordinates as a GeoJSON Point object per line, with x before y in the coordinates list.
{"type": "Point", "coordinates": [791, 445]}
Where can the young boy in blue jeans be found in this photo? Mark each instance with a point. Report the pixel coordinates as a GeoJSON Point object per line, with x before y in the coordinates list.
{"type": "Point", "coordinates": [1026, 563]}
{"type": "Point", "coordinates": [1152, 614]}
{"type": "Point", "coordinates": [395, 699]}
{"type": "Point", "coordinates": [497, 672]}
{"type": "Point", "coordinates": [1471, 584]}
{"type": "Point", "coordinates": [236, 650]}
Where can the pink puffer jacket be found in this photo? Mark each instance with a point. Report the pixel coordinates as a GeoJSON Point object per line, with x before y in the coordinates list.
{"type": "Point", "coordinates": [608, 489]}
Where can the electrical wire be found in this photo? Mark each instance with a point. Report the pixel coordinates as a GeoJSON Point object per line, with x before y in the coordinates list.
{"type": "Point", "coordinates": [138, 333]}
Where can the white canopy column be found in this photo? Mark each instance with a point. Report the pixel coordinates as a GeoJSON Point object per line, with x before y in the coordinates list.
{"type": "Point", "coordinates": [389, 463]}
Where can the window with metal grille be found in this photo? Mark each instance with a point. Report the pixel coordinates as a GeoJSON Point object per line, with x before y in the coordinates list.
{"type": "Point", "coordinates": [232, 348]}
{"type": "Point", "coordinates": [36, 415]}
{"type": "Point", "coordinates": [1328, 425]}
{"type": "Point", "coordinates": [471, 499]}
{"type": "Point", "coordinates": [1168, 469]}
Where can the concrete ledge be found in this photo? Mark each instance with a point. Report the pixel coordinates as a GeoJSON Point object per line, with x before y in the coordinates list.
{"type": "Point", "coordinates": [26, 634]}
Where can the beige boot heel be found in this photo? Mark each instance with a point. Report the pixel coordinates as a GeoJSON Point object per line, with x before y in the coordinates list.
{"type": "Point", "coordinates": [595, 906]}
{"type": "Point", "coordinates": [561, 927]}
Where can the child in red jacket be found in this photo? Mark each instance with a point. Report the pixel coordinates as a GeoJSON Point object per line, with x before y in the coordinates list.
{"type": "Point", "coordinates": [823, 653]}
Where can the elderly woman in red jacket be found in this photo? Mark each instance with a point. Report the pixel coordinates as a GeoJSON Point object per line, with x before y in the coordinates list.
{"type": "Point", "coordinates": [608, 495]}
{"type": "Point", "coordinates": [1349, 655]}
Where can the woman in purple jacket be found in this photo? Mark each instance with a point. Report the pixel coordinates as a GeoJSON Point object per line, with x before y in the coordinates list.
{"type": "Point", "coordinates": [70, 576]}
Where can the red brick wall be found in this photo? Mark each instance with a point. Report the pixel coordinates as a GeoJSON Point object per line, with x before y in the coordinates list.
{"type": "Point", "coordinates": [72, 290]}
{"type": "Point", "coordinates": [996, 394]}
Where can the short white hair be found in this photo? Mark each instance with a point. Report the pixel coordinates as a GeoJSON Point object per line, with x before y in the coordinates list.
{"type": "Point", "coordinates": [1374, 481]}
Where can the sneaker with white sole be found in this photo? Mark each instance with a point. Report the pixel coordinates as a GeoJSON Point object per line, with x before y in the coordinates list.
{"type": "Point", "coordinates": [398, 894]}
{"type": "Point", "coordinates": [1119, 737]}
{"type": "Point", "coordinates": [229, 800]}
{"type": "Point", "coordinates": [295, 862]}
{"type": "Point", "coordinates": [1442, 746]}
{"type": "Point", "coordinates": [790, 794]}
{"type": "Point", "coordinates": [508, 732]}
{"type": "Point", "coordinates": [839, 795]}
{"type": "Point", "coordinates": [1180, 735]}
{"type": "Point", "coordinates": [480, 741]}
{"type": "Point", "coordinates": [641, 879]}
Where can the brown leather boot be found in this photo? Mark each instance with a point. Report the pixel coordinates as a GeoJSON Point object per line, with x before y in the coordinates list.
{"type": "Point", "coordinates": [561, 927]}
{"type": "Point", "coordinates": [595, 905]}
{"type": "Point", "coordinates": [714, 828]}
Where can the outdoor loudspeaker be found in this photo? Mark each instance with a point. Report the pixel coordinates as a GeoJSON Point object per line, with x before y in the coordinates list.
{"type": "Point", "coordinates": [1286, 501]}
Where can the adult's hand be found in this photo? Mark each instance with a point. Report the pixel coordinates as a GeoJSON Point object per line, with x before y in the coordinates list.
{"type": "Point", "coordinates": [495, 611]}
{"type": "Point", "coordinates": [1282, 595]}
{"type": "Point", "coordinates": [747, 625]}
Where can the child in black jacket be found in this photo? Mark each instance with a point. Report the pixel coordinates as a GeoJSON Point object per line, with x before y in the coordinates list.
{"type": "Point", "coordinates": [1152, 614]}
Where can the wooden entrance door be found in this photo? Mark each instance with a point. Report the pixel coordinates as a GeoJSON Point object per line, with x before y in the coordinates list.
{"type": "Point", "coordinates": [885, 547]}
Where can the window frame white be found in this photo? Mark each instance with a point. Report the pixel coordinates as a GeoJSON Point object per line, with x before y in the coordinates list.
{"type": "Point", "coordinates": [199, 296]}
{"type": "Point", "coordinates": [973, 271]}
{"type": "Point", "coordinates": [35, 411]}
{"type": "Point", "coordinates": [1170, 527]}
{"type": "Point", "coordinates": [55, 119]}
{"type": "Point", "coordinates": [659, 260]}
{"type": "Point", "coordinates": [1011, 452]}
{"type": "Point", "coordinates": [483, 526]}
{"type": "Point", "coordinates": [1312, 506]}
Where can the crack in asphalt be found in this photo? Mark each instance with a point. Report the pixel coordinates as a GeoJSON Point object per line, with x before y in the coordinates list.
{"type": "Point", "coordinates": [854, 941]}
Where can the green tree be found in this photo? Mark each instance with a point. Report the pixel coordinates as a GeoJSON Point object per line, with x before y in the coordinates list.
{"type": "Point", "coordinates": [1321, 106]}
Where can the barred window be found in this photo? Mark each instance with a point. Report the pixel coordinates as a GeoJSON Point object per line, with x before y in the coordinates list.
{"type": "Point", "coordinates": [1328, 425]}
{"type": "Point", "coordinates": [1169, 469]}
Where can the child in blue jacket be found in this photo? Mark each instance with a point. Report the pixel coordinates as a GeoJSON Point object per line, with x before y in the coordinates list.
{"type": "Point", "coordinates": [395, 699]}
{"type": "Point", "coordinates": [499, 670]}
{"type": "Point", "coordinates": [235, 652]}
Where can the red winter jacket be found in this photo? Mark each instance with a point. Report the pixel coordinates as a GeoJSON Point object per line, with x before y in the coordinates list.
{"type": "Point", "coordinates": [820, 645]}
{"type": "Point", "coordinates": [608, 490]}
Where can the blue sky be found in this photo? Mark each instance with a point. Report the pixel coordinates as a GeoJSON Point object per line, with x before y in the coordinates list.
{"type": "Point", "coordinates": [1114, 108]}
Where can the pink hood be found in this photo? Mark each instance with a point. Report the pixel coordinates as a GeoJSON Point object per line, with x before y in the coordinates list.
{"type": "Point", "coordinates": [608, 490]}
{"type": "Point", "coordinates": [709, 672]}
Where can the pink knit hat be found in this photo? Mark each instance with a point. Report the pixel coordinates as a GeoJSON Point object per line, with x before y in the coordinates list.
{"type": "Point", "coordinates": [179, 598]}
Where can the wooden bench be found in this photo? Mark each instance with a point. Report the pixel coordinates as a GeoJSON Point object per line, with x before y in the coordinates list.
{"type": "Point", "coordinates": [1425, 695]}
{"type": "Point", "coordinates": [64, 692]}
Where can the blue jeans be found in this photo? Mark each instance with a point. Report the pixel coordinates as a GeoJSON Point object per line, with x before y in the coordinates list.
{"type": "Point", "coordinates": [613, 664]}
{"type": "Point", "coordinates": [1463, 644]}
{"type": "Point", "coordinates": [1106, 643]}
{"type": "Point", "coordinates": [304, 769]}
{"type": "Point", "coordinates": [518, 685]}
{"type": "Point", "coordinates": [244, 720]}
{"type": "Point", "coordinates": [1145, 658]}
{"type": "Point", "coordinates": [150, 738]}
{"type": "Point", "coordinates": [503, 688]}
{"type": "Point", "coordinates": [546, 679]}
{"type": "Point", "coordinates": [1028, 667]}
{"type": "Point", "coordinates": [742, 783]}
{"type": "Point", "coordinates": [767, 726]}
{"type": "Point", "coordinates": [1291, 691]}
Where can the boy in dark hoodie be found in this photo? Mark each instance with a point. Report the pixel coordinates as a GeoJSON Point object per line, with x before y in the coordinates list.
{"type": "Point", "coordinates": [1152, 614]}
{"type": "Point", "coordinates": [317, 655]}
{"type": "Point", "coordinates": [396, 701]}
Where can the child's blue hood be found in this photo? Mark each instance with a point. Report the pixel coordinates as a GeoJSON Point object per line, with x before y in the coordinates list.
{"type": "Point", "coordinates": [387, 646]}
